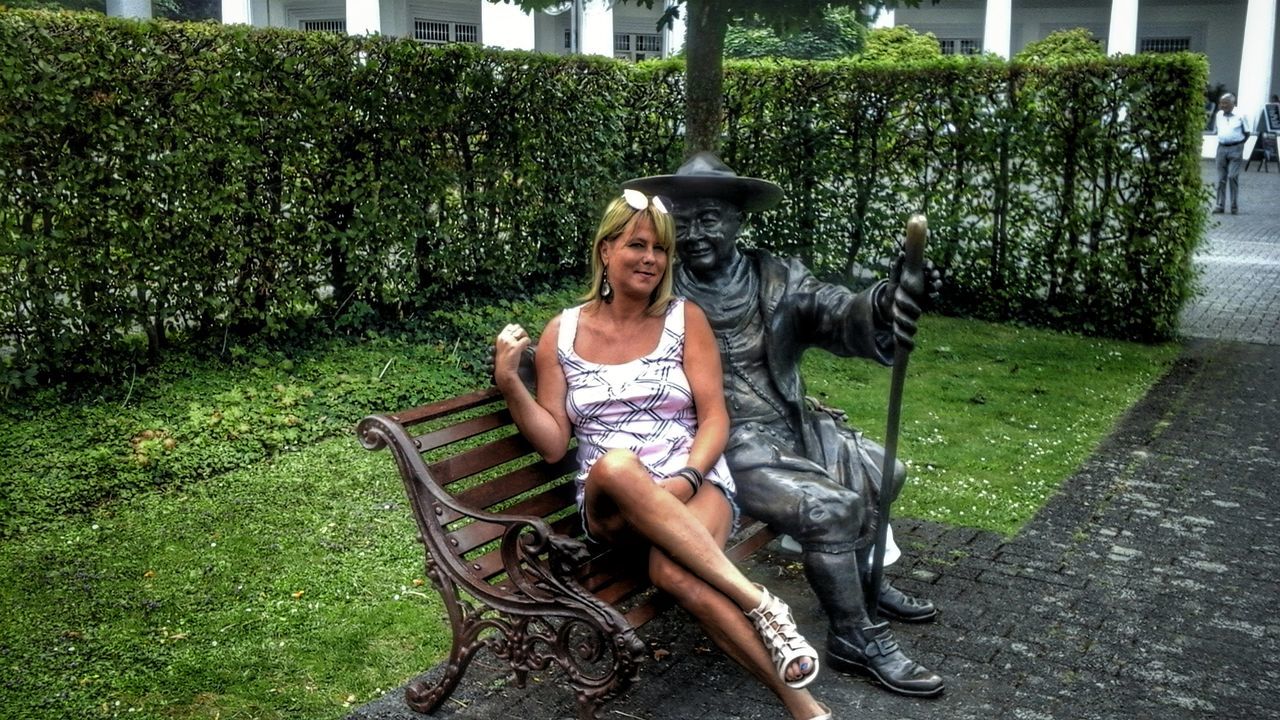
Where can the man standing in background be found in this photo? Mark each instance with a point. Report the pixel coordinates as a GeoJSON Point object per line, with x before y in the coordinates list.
{"type": "Point", "coordinates": [1230, 128]}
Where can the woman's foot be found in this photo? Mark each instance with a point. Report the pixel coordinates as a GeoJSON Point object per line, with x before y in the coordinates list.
{"type": "Point", "coordinates": [825, 713]}
{"type": "Point", "coordinates": [794, 659]}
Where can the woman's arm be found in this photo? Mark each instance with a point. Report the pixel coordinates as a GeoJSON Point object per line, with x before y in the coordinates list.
{"type": "Point", "coordinates": [542, 420]}
{"type": "Point", "coordinates": [706, 380]}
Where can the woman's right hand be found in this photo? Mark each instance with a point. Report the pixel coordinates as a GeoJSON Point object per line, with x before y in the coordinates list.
{"type": "Point", "coordinates": [507, 349]}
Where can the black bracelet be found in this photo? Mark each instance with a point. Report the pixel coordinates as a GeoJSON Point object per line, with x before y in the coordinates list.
{"type": "Point", "coordinates": [693, 475]}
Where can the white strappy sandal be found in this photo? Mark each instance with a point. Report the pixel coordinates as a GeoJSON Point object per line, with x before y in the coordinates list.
{"type": "Point", "coordinates": [777, 629]}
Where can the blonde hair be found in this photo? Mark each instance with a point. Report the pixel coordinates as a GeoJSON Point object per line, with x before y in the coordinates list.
{"type": "Point", "coordinates": [619, 217]}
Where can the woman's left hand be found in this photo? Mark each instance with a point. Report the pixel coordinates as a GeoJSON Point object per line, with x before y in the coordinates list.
{"type": "Point", "coordinates": [678, 486]}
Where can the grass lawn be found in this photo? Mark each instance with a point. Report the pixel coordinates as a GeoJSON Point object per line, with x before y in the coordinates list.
{"type": "Point", "coordinates": [994, 417]}
{"type": "Point", "coordinates": [289, 589]}
{"type": "Point", "coordinates": [290, 585]}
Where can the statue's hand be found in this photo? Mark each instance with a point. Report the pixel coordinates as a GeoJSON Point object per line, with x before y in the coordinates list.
{"type": "Point", "coordinates": [814, 404]}
{"type": "Point", "coordinates": [925, 289]}
{"type": "Point", "coordinates": [908, 292]}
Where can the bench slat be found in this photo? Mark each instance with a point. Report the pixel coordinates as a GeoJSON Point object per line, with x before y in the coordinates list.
{"type": "Point", "coordinates": [447, 407]}
{"type": "Point", "coordinates": [461, 431]}
{"type": "Point", "coordinates": [479, 459]}
{"type": "Point", "coordinates": [479, 532]}
{"type": "Point", "coordinates": [514, 483]}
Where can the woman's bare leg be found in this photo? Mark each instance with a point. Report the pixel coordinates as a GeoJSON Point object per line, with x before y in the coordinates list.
{"type": "Point", "coordinates": [621, 497]}
{"type": "Point", "coordinates": [725, 623]}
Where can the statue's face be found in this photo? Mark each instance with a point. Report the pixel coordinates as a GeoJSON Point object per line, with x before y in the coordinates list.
{"type": "Point", "coordinates": [706, 232]}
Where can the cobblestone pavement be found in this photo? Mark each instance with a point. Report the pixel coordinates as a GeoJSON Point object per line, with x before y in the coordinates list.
{"type": "Point", "coordinates": [1241, 265]}
{"type": "Point", "coordinates": [1144, 589]}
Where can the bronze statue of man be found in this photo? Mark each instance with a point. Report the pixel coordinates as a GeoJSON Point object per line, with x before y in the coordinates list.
{"type": "Point", "coordinates": [797, 468]}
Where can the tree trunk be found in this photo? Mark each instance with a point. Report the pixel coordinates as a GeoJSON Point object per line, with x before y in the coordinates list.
{"type": "Point", "coordinates": [704, 74]}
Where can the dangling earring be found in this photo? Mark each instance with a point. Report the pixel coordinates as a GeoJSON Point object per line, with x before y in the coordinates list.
{"type": "Point", "coordinates": [606, 290]}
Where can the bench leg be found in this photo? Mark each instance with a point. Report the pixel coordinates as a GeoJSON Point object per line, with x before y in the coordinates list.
{"type": "Point", "coordinates": [589, 708]}
{"type": "Point", "coordinates": [425, 698]}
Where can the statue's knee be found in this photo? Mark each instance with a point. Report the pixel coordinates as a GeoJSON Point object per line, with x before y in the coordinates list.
{"type": "Point", "coordinates": [832, 517]}
{"type": "Point", "coordinates": [899, 479]}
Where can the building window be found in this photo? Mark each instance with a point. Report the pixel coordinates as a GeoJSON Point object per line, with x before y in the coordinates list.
{"type": "Point", "coordinates": [637, 46]}
{"type": "Point", "coordinates": [960, 46]}
{"type": "Point", "coordinates": [336, 25]}
{"type": "Point", "coordinates": [1165, 44]}
{"type": "Point", "coordinates": [437, 32]}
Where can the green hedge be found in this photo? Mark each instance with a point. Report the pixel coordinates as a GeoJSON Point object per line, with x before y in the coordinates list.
{"type": "Point", "coordinates": [1067, 195]}
{"type": "Point", "coordinates": [194, 183]}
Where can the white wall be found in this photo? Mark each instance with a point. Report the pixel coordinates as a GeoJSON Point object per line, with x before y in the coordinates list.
{"type": "Point", "coordinates": [548, 32]}
{"type": "Point", "coordinates": [296, 12]}
{"type": "Point", "coordinates": [395, 18]}
{"type": "Point", "coordinates": [1220, 24]}
{"type": "Point", "coordinates": [1215, 27]}
{"type": "Point", "coordinates": [949, 19]}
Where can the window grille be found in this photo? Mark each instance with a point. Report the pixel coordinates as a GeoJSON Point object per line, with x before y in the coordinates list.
{"type": "Point", "coordinates": [335, 25]}
{"type": "Point", "coordinates": [959, 46]}
{"type": "Point", "coordinates": [1165, 44]}
{"type": "Point", "coordinates": [466, 33]}
{"type": "Point", "coordinates": [428, 31]}
{"type": "Point", "coordinates": [437, 32]}
{"type": "Point", "coordinates": [637, 46]}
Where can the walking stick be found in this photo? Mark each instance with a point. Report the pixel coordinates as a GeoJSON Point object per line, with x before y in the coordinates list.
{"type": "Point", "coordinates": [917, 233]}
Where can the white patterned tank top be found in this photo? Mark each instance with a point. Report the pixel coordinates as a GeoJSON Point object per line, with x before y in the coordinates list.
{"type": "Point", "coordinates": [644, 405]}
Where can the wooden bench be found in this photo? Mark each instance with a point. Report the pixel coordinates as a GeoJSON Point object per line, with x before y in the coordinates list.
{"type": "Point", "coordinates": [504, 547]}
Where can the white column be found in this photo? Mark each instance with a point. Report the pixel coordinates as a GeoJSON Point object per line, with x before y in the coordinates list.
{"type": "Point", "coordinates": [137, 9]}
{"type": "Point", "coordinates": [998, 28]}
{"type": "Point", "coordinates": [884, 19]}
{"type": "Point", "coordinates": [506, 26]}
{"type": "Point", "coordinates": [364, 17]}
{"type": "Point", "coordinates": [236, 12]}
{"type": "Point", "coordinates": [1123, 35]}
{"type": "Point", "coordinates": [1255, 58]}
{"type": "Point", "coordinates": [597, 28]}
{"type": "Point", "coordinates": [675, 36]}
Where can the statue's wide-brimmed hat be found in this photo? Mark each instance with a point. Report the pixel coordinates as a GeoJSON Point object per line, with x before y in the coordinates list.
{"type": "Point", "coordinates": [704, 175]}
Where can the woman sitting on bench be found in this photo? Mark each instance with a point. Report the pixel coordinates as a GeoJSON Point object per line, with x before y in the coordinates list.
{"type": "Point", "coordinates": [634, 374]}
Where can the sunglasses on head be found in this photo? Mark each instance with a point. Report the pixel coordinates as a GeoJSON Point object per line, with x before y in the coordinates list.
{"type": "Point", "coordinates": [639, 201]}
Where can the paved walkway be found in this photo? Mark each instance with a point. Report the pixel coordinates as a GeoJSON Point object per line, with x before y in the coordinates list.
{"type": "Point", "coordinates": [1241, 265]}
{"type": "Point", "coordinates": [1144, 589]}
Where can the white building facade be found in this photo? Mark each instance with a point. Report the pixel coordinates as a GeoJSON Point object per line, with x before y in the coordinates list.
{"type": "Point", "coordinates": [1237, 36]}
{"type": "Point", "coordinates": [593, 27]}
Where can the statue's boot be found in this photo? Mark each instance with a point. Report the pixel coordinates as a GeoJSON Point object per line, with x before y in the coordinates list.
{"type": "Point", "coordinates": [895, 604]}
{"type": "Point", "coordinates": [872, 650]}
{"type": "Point", "coordinates": [854, 643]}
